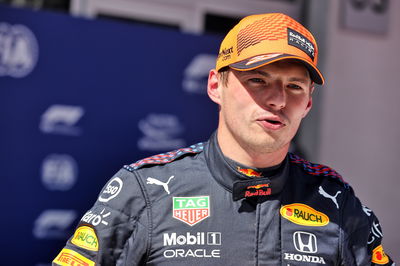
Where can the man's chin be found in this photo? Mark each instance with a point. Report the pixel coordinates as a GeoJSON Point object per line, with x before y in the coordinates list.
{"type": "Point", "coordinates": [267, 146]}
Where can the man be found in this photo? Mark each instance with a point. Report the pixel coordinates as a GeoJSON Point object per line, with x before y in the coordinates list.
{"type": "Point", "coordinates": [240, 198]}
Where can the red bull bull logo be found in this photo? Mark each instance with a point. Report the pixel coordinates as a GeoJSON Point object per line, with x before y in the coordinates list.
{"type": "Point", "coordinates": [249, 172]}
{"type": "Point", "coordinates": [258, 186]}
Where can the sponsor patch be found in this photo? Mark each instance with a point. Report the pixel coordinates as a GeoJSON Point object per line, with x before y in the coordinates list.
{"type": "Point", "coordinates": [226, 53]}
{"type": "Point", "coordinates": [328, 196]}
{"type": "Point", "coordinates": [255, 187]}
{"type": "Point", "coordinates": [305, 242]}
{"type": "Point", "coordinates": [191, 210]}
{"type": "Point", "coordinates": [304, 258]}
{"type": "Point", "coordinates": [96, 219]}
{"type": "Point", "coordinates": [304, 215]}
{"type": "Point", "coordinates": [153, 181]}
{"type": "Point", "coordinates": [69, 257]}
{"type": "Point", "coordinates": [249, 172]}
{"type": "Point", "coordinates": [200, 238]}
{"type": "Point", "coordinates": [298, 40]}
{"type": "Point", "coordinates": [379, 256]}
{"type": "Point", "coordinates": [376, 232]}
{"type": "Point", "coordinates": [196, 245]}
{"type": "Point", "coordinates": [112, 189]}
{"type": "Point", "coordinates": [85, 237]}
{"type": "Point", "coordinates": [258, 190]}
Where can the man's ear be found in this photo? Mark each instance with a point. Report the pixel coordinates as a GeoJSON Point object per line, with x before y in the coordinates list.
{"type": "Point", "coordinates": [213, 86]}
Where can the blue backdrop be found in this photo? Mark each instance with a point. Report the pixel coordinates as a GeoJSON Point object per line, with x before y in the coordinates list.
{"type": "Point", "coordinates": [79, 99]}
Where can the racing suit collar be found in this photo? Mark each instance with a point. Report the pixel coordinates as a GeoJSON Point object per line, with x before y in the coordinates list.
{"type": "Point", "coordinates": [240, 183]}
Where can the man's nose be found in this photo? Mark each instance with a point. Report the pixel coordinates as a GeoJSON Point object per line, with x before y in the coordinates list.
{"type": "Point", "coordinates": [276, 96]}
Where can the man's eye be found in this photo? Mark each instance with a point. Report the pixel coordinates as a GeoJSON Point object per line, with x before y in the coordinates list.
{"type": "Point", "coordinates": [295, 87]}
{"type": "Point", "coordinates": [256, 80]}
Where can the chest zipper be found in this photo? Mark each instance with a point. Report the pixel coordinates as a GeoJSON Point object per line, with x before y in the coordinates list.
{"type": "Point", "coordinates": [258, 217]}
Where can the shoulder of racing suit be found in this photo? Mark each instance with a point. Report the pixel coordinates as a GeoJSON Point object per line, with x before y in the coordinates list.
{"type": "Point", "coordinates": [361, 233]}
{"type": "Point", "coordinates": [167, 157]}
{"type": "Point", "coordinates": [317, 169]}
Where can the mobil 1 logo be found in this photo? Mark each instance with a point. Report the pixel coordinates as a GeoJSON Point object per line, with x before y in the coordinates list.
{"type": "Point", "coordinates": [196, 245]}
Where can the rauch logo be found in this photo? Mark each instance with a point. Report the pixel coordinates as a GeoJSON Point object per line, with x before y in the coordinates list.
{"type": "Point", "coordinates": [191, 210]}
{"type": "Point", "coordinates": [379, 256]}
{"type": "Point", "coordinates": [85, 237]}
{"type": "Point", "coordinates": [304, 215]}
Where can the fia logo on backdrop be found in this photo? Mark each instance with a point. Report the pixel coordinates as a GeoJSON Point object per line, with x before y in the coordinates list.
{"type": "Point", "coordinates": [59, 172]}
{"type": "Point", "coordinates": [19, 50]}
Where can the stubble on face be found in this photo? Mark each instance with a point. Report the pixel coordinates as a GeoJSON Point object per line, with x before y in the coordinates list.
{"type": "Point", "coordinates": [241, 118]}
{"type": "Point", "coordinates": [250, 135]}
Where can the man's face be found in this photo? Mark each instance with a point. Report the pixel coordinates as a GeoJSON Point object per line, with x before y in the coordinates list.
{"type": "Point", "coordinates": [261, 109]}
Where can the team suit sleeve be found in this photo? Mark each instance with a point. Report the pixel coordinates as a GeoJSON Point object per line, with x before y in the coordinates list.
{"type": "Point", "coordinates": [115, 230]}
{"type": "Point", "coordinates": [362, 236]}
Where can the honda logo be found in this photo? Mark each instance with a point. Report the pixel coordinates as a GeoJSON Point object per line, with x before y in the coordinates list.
{"type": "Point", "coordinates": [305, 242]}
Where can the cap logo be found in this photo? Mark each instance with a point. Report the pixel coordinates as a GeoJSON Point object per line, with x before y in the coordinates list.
{"type": "Point", "coordinates": [261, 58]}
{"type": "Point", "coordinates": [298, 40]}
{"type": "Point", "coordinates": [225, 53]}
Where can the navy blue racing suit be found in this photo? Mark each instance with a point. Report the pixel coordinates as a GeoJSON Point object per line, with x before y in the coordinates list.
{"type": "Point", "coordinates": [194, 206]}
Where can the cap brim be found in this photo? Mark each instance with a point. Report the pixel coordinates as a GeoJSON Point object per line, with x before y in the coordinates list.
{"type": "Point", "coordinates": [245, 65]}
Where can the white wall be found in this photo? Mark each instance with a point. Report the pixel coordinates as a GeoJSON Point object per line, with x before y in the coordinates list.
{"type": "Point", "coordinates": [360, 120]}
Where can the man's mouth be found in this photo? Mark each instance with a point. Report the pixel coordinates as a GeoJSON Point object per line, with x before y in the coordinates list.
{"type": "Point", "coordinates": [271, 123]}
{"type": "Point", "coordinates": [275, 122]}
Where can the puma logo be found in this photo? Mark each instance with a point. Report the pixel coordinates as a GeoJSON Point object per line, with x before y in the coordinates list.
{"type": "Point", "coordinates": [367, 211]}
{"type": "Point", "coordinates": [153, 181]}
{"type": "Point", "coordinates": [326, 195]}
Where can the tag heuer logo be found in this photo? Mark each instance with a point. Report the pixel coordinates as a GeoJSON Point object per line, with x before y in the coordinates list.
{"type": "Point", "coordinates": [191, 210]}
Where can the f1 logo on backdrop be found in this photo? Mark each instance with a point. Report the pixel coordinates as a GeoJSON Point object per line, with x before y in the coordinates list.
{"type": "Point", "coordinates": [196, 73]}
{"type": "Point", "coordinates": [19, 50]}
{"type": "Point", "coordinates": [62, 119]}
{"type": "Point", "coordinates": [54, 224]}
{"type": "Point", "coordinates": [305, 242]}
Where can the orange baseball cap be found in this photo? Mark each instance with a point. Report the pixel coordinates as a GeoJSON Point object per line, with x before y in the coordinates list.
{"type": "Point", "coordinates": [258, 40]}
